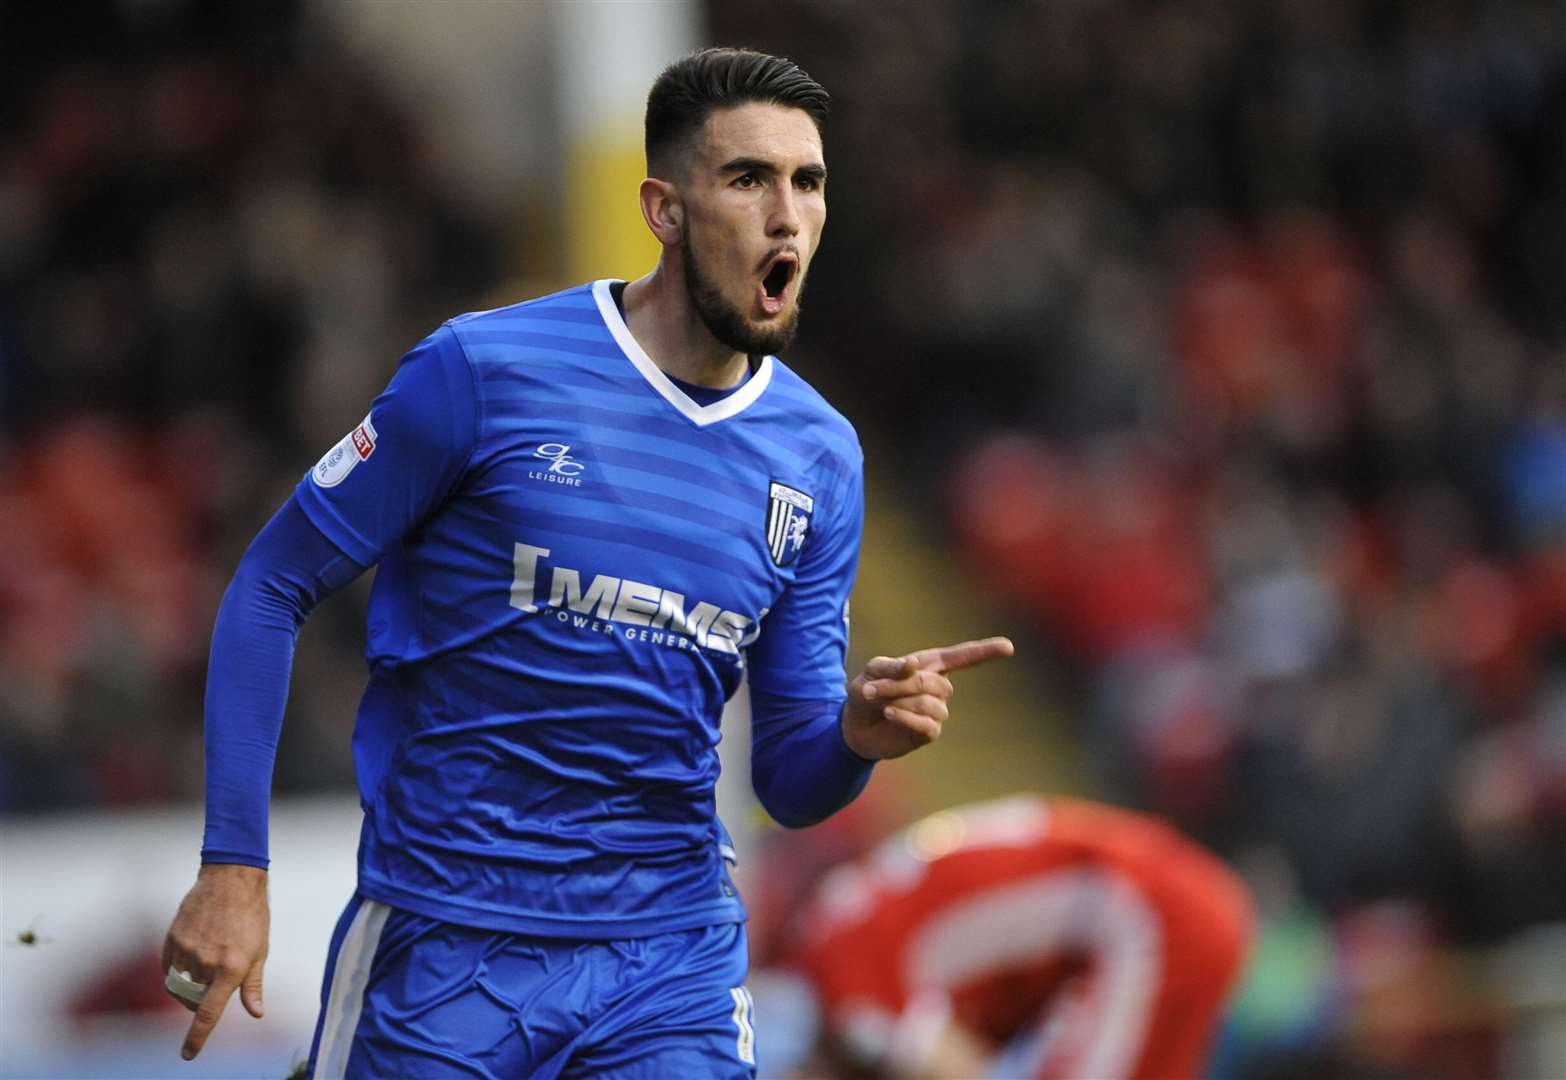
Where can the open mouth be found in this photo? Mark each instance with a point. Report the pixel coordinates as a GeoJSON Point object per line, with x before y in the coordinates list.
{"type": "Point", "coordinates": [775, 282]}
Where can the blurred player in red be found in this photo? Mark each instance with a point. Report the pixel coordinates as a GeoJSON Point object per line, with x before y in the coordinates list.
{"type": "Point", "coordinates": [1026, 937]}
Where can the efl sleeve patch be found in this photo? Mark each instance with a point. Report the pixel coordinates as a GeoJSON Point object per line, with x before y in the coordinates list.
{"type": "Point", "coordinates": [340, 460]}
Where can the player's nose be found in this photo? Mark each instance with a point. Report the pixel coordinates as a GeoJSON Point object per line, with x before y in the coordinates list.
{"type": "Point", "coordinates": [783, 216]}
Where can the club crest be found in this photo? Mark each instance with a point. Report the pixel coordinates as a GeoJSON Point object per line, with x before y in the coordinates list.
{"type": "Point", "coordinates": [788, 520]}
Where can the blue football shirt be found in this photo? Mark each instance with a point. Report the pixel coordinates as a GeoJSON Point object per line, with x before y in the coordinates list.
{"type": "Point", "coordinates": [576, 565]}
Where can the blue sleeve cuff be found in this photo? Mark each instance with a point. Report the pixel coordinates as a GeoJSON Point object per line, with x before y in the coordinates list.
{"type": "Point", "coordinates": [802, 770]}
{"type": "Point", "coordinates": [234, 858]}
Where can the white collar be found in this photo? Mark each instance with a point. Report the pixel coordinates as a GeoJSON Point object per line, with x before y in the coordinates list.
{"type": "Point", "coordinates": [700, 415]}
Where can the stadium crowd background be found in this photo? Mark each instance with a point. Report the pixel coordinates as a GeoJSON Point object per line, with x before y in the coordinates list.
{"type": "Point", "coordinates": [1224, 343]}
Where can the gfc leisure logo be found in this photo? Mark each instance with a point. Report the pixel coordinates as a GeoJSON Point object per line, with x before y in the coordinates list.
{"type": "Point", "coordinates": [562, 468]}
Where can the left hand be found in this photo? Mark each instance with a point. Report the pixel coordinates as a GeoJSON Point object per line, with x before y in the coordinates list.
{"type": "Point", "coordinates": [219, 936]}
{"type": "Point", "coordinates": [898, 704]}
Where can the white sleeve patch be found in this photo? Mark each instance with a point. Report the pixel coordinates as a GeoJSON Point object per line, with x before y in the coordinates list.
{"type": "Point", "coordinates": [339, 461]}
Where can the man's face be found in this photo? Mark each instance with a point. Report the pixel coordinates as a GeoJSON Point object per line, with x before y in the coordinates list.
{"type": "Point", "coordinates": [755, 204]}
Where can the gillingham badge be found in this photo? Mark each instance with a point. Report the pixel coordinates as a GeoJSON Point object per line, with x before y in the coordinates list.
{"type": "Point", "coordinates": [788, 519]}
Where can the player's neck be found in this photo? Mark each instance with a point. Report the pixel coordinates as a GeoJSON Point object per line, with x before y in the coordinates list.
{"type": "Point", "coordinates": [659, 314]}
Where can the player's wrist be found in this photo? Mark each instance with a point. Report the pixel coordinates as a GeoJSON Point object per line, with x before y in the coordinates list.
{"type": "Point", "coordinates": [233, 875]}
{"type": "Point", "coordinates": [848, 730]}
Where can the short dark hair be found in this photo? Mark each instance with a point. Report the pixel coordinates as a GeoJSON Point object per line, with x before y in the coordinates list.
{"type": "Point", "coordinates": [720, 78]}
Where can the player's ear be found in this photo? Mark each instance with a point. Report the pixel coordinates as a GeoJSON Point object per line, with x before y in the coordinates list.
{"type": "Point", "coordinates": [663, 211]}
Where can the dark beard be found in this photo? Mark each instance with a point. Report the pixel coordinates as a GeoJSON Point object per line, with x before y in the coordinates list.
{"type": "Point", "coordinates": [727, 323]}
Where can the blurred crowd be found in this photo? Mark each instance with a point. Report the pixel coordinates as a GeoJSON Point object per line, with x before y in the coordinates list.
{"type": "Point", "coordinates": [217, 234]}
{"type": "Point", "coordinates": [1237, 333]}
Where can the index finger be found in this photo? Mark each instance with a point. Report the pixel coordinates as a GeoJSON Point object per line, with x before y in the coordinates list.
{"type": "Point", "coordinates": [963, 655]}
{"type": "Point", "coordinates": [212, 1004]}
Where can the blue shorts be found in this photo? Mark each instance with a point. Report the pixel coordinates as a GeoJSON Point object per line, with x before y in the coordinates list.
{"type": "Point", "coordinates": [410, 996]}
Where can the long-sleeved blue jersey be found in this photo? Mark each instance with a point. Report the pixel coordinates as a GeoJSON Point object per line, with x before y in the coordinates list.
{"type": "Point", "coordinates": [577, 562]}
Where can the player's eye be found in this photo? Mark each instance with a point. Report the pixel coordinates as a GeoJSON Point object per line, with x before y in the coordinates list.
{"type": "Point", "coordinates": [745, 181]}
{"type": "Point", "coordinates": [807, 183]}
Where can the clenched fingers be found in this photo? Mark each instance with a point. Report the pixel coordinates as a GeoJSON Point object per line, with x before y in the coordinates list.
{"type": "Point", "coordinates": [920, 681]}
{"type": "Point", "coordinates": [927, 705]}
{"type": "Point", "coordinates": [888, 667]}
{"type": "Point", "coordinates": [925, 727]}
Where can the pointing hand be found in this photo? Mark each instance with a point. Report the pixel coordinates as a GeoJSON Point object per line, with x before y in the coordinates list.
{"type": "Point", "coordinates": [898, 704]}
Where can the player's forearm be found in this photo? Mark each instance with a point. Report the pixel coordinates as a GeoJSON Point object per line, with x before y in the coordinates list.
{"type": "Point", "coordinates": [247, 687]}
{"type": "Point", "coordinates": [287, 570]}
{"type": "Point", "coordinates": [802, 770]}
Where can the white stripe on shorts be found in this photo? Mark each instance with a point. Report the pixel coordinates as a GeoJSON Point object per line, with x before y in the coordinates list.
{"type": "Point", "coordinates": [345, 1000]}
{"type": "Point", "coordinates": [744, 1023]}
